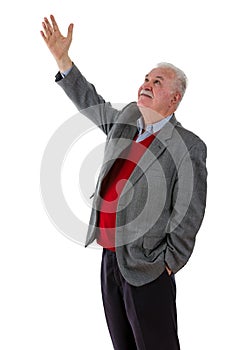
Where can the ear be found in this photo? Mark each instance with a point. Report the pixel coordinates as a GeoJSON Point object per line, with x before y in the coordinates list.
{"type": "Point", "coordinates": [176, 98]}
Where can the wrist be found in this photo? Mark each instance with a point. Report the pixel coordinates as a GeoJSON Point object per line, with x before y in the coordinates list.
{"type": "Point", "coordinates": [168, 270]}
{"type": "Point", "coordinates": [64, 64]}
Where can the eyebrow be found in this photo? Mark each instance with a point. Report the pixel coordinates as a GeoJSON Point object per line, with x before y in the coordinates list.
{"type": "Point", "coordinates": [158, 76]}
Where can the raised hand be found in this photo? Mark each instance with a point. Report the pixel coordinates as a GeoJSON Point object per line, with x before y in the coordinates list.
{"type": "Point", "coordinates": [57, 43]}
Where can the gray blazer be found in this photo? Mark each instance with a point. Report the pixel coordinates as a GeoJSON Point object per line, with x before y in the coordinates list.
{"type": "Point", "coordinates": [162, 206]}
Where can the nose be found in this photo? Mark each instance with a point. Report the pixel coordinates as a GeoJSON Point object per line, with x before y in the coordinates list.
{"type": "Point", "coordinates": [146, 85]}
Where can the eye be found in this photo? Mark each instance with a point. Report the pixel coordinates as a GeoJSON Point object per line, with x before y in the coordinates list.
{"type": "Point", "coordinates": [157, 82]}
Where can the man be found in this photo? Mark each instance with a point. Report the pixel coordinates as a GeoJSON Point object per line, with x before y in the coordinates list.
{"type": "Point", "coordinates": [149, 201]}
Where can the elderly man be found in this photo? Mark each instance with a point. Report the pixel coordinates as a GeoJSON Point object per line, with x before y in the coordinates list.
{"type": "Point", "coordinates": [149, 201]}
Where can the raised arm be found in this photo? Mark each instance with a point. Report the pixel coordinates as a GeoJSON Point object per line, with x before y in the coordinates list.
{"type": "Point", "coordinates": [82, 93]}
{"type": "Point", "coordinates": [57, 43]}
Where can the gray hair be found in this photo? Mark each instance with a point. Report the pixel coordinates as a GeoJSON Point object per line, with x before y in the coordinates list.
{"type": "Point", "coordinates": [181, 80]}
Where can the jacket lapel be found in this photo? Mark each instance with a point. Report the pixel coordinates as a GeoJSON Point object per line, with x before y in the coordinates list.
{"type": "Point", "coordinates": [123, 138]}
{"type": "Point", "coordinates": [154, 151]}
{"type": "Point", "coordinates": [124, 132]}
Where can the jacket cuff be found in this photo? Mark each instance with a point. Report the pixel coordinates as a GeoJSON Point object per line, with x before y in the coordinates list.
{"type": "Point", "coordinates": [58, 77]}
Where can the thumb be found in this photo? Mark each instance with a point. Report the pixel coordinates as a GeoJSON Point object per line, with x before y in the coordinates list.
{"type": "Point", "coordinates": [70, 31]}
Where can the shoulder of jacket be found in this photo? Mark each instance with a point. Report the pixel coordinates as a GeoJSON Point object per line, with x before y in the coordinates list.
{"type": "Point", "coordinates": [189, 137]}
{"type": "Point", "coordinates": [131, 106]}
{"type": "Point", "coordinates": [129, 113]}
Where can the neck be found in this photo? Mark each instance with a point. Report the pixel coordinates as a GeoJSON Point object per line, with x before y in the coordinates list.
{"type": "Point", "coordinates": [150, 116]}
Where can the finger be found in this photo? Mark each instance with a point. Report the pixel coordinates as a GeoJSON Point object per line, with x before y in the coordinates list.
{"type": "Point", "coordinates": [48, 25]}
{"type": "Point", "coordinates": [43, 36]}
{"type": "Point", "coordinates": [54, 24]}
{"type": "Point", "coordinates": [70, 31]}
{"type": "Point", "coordinates": [46, 30]}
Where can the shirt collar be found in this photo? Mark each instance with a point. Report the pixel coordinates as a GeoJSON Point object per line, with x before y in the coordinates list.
{"type": "Point", "coordinates": [152, 128]}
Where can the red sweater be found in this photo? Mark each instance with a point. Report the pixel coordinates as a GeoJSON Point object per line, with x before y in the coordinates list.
{"type": "Point", "coordinates": [111, 189]}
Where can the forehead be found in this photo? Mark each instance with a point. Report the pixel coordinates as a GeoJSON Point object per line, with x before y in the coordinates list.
{"type": "Point", "coordinates": [164, 73]}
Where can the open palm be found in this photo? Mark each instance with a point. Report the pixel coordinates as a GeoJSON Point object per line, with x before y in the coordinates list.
{"type": "Point", "coordinates": [56, 42]}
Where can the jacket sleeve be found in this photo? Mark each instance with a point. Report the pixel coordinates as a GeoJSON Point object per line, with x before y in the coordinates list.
{"type": "Point", "coordinates": [84, 96]}
{"type": "Point", "coordinates": [189, 200]}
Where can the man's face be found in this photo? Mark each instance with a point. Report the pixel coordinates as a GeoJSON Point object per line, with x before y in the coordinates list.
{"type": "Point", "coordinates": [158, 93]}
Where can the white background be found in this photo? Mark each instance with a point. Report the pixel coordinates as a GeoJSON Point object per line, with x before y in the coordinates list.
{"type": "Point", "coordinates": [49, 286]}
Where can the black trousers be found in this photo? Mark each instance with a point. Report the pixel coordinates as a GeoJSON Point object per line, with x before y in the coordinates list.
{"type": "Point", "coordinates": [139, 318]}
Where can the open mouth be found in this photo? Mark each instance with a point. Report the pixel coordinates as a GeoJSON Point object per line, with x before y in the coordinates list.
{"type": "Point", "coordinates": [146, 93]}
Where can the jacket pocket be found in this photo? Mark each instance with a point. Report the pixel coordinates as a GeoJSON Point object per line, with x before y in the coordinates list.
{"type": "Point", "coordinates": [153, 246]}
{"type": "Point", "coordinates": [153, 241]}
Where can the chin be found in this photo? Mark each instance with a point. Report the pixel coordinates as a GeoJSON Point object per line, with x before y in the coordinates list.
{"type": "Point", "coordinates": [142, 104]}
